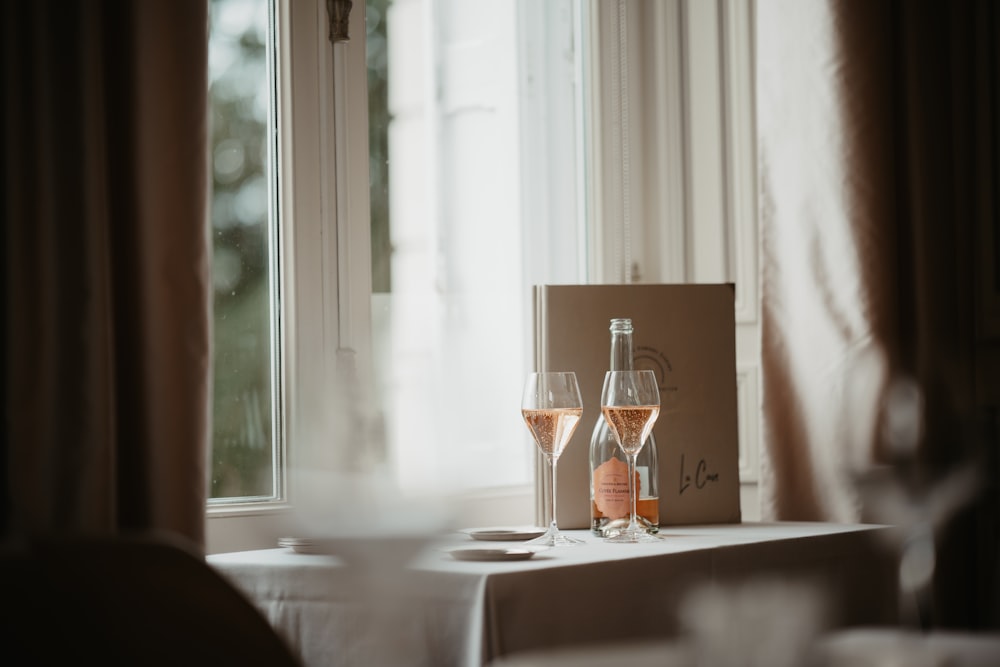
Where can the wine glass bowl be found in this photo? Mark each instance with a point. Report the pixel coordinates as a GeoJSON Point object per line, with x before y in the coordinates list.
{"type": "Point", "coordinates": [632, 425]}
{"type": "Point", "coordinates": [630, 402]}
{"type": "Point", "coordinates": [551, 407]}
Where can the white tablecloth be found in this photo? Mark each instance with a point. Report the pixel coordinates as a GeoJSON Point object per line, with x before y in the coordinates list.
{"type": "Point", "coordinates": [439, 611]}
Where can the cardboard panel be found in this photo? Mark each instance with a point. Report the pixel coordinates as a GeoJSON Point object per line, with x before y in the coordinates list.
{"type": "Point", "coordinates": [686, 333]}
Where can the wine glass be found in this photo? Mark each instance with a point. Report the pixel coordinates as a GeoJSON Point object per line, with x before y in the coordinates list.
{"type": "Point", "coordinates": [630, 401]}
{"type": "Point", "coordinates": [552, 407]}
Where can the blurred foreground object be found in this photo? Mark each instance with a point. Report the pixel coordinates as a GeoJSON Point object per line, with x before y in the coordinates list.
{"type": "Point", "coordinates": [881, 647]}
{"type": "Point", "coordinates": [913, 498]}
{"type": "Point", "coordinates": [140, 600]}
{"type": "Point", "coordinates": [762, 622]}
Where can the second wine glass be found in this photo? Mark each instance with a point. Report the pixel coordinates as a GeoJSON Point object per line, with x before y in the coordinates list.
{"type": "Point", "coordinates": [552, 407]}
{"type": "Point", "coordinates": [630, 401]}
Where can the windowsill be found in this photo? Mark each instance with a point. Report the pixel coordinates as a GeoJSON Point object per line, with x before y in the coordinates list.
{"type": "Point", "coordinates": [222, 510]}
{"type": "Point", "coordinates": [244, 526]}
{"type": "Point", "coordinates": [259, 525]}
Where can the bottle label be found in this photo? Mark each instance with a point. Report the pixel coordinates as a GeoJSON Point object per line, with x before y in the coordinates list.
{"type": "Point", "coordinates": [611, 488]}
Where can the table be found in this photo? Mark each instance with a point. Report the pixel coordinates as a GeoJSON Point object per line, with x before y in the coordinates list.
{"type": "Point", "coordinates": [439, 611]}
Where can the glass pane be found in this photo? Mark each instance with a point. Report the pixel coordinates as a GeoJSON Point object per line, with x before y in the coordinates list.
{"type": "Point", "coordinates": [242, 462]}
{"type": "Point", "coordinates": [455, 148]}
{"type": "Point", "coordinates": [378, 141]}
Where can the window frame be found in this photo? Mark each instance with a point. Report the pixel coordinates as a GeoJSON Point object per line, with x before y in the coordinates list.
{"type": "Point", "coordinates": [325, 324]}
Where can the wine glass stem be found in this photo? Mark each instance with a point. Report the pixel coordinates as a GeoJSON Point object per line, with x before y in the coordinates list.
{"type": "Point", "coordinates": [552, 497]}
{"type": "Point", "coordinates": [633, 523]}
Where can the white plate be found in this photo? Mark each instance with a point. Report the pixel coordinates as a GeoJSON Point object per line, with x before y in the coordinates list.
{"type": "Point", "coordinates": [516, 534]}
{"type": "Point", "coordinates": [491, 554]}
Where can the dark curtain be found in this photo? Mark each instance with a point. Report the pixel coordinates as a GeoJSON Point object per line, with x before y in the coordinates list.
{"type": "Point", "coordinates": [106, 285]}
{"type": "Point", "coordinates": [878, 125]}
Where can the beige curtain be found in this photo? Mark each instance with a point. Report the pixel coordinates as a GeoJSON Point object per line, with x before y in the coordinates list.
{"type": "Point", "coordinates": [877, 129]}
{"type": "Point", "coordinates": [106, 258]}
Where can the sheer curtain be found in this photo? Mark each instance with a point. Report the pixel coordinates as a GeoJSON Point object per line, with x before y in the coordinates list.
{"type": "Point", "coordinates": [106, 257]}
{"type": "Point", "coordinates": [877, 137]}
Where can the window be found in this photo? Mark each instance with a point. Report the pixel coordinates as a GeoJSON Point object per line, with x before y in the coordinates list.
{"type": "Point", "coordinates": [425, 174]}
{"type": "Point", "coordinates": [245, 458]}
{"type": "Point", "coordinates": [313, 196]}
{"type": "Point", "coordinates": [451, 297]}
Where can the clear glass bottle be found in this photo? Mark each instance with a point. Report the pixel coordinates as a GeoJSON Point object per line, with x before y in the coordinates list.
{"type": "Point", "coordinates": [609, 499]}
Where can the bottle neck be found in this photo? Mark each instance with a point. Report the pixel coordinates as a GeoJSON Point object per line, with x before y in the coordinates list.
{"type": "Point", "coordinates": [622, 355]}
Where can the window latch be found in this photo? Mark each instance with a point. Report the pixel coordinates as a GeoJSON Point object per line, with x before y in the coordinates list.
{"type": "Point", "coordinates": [339, 12]}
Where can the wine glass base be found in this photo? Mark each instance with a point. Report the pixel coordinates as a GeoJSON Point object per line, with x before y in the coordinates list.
{"type": "Point", "coordinates": [554, 540]}
{"type": "Point", "coordinates": [633, 537]}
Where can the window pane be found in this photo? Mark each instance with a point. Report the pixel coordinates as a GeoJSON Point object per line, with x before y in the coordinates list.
{"type": "Point", "coordinates": [463, 209]}
{"type": "Point", "coordinates": [242, 463]}
{"type": "Point", "coordinates": [378, 141]}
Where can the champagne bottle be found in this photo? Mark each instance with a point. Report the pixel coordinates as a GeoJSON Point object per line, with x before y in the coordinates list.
{"type": "Point", "coordinates": [609, 499]}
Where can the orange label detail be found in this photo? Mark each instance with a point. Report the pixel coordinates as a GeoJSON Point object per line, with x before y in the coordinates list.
{"type": "Point", "coordinates": [611, 488]}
